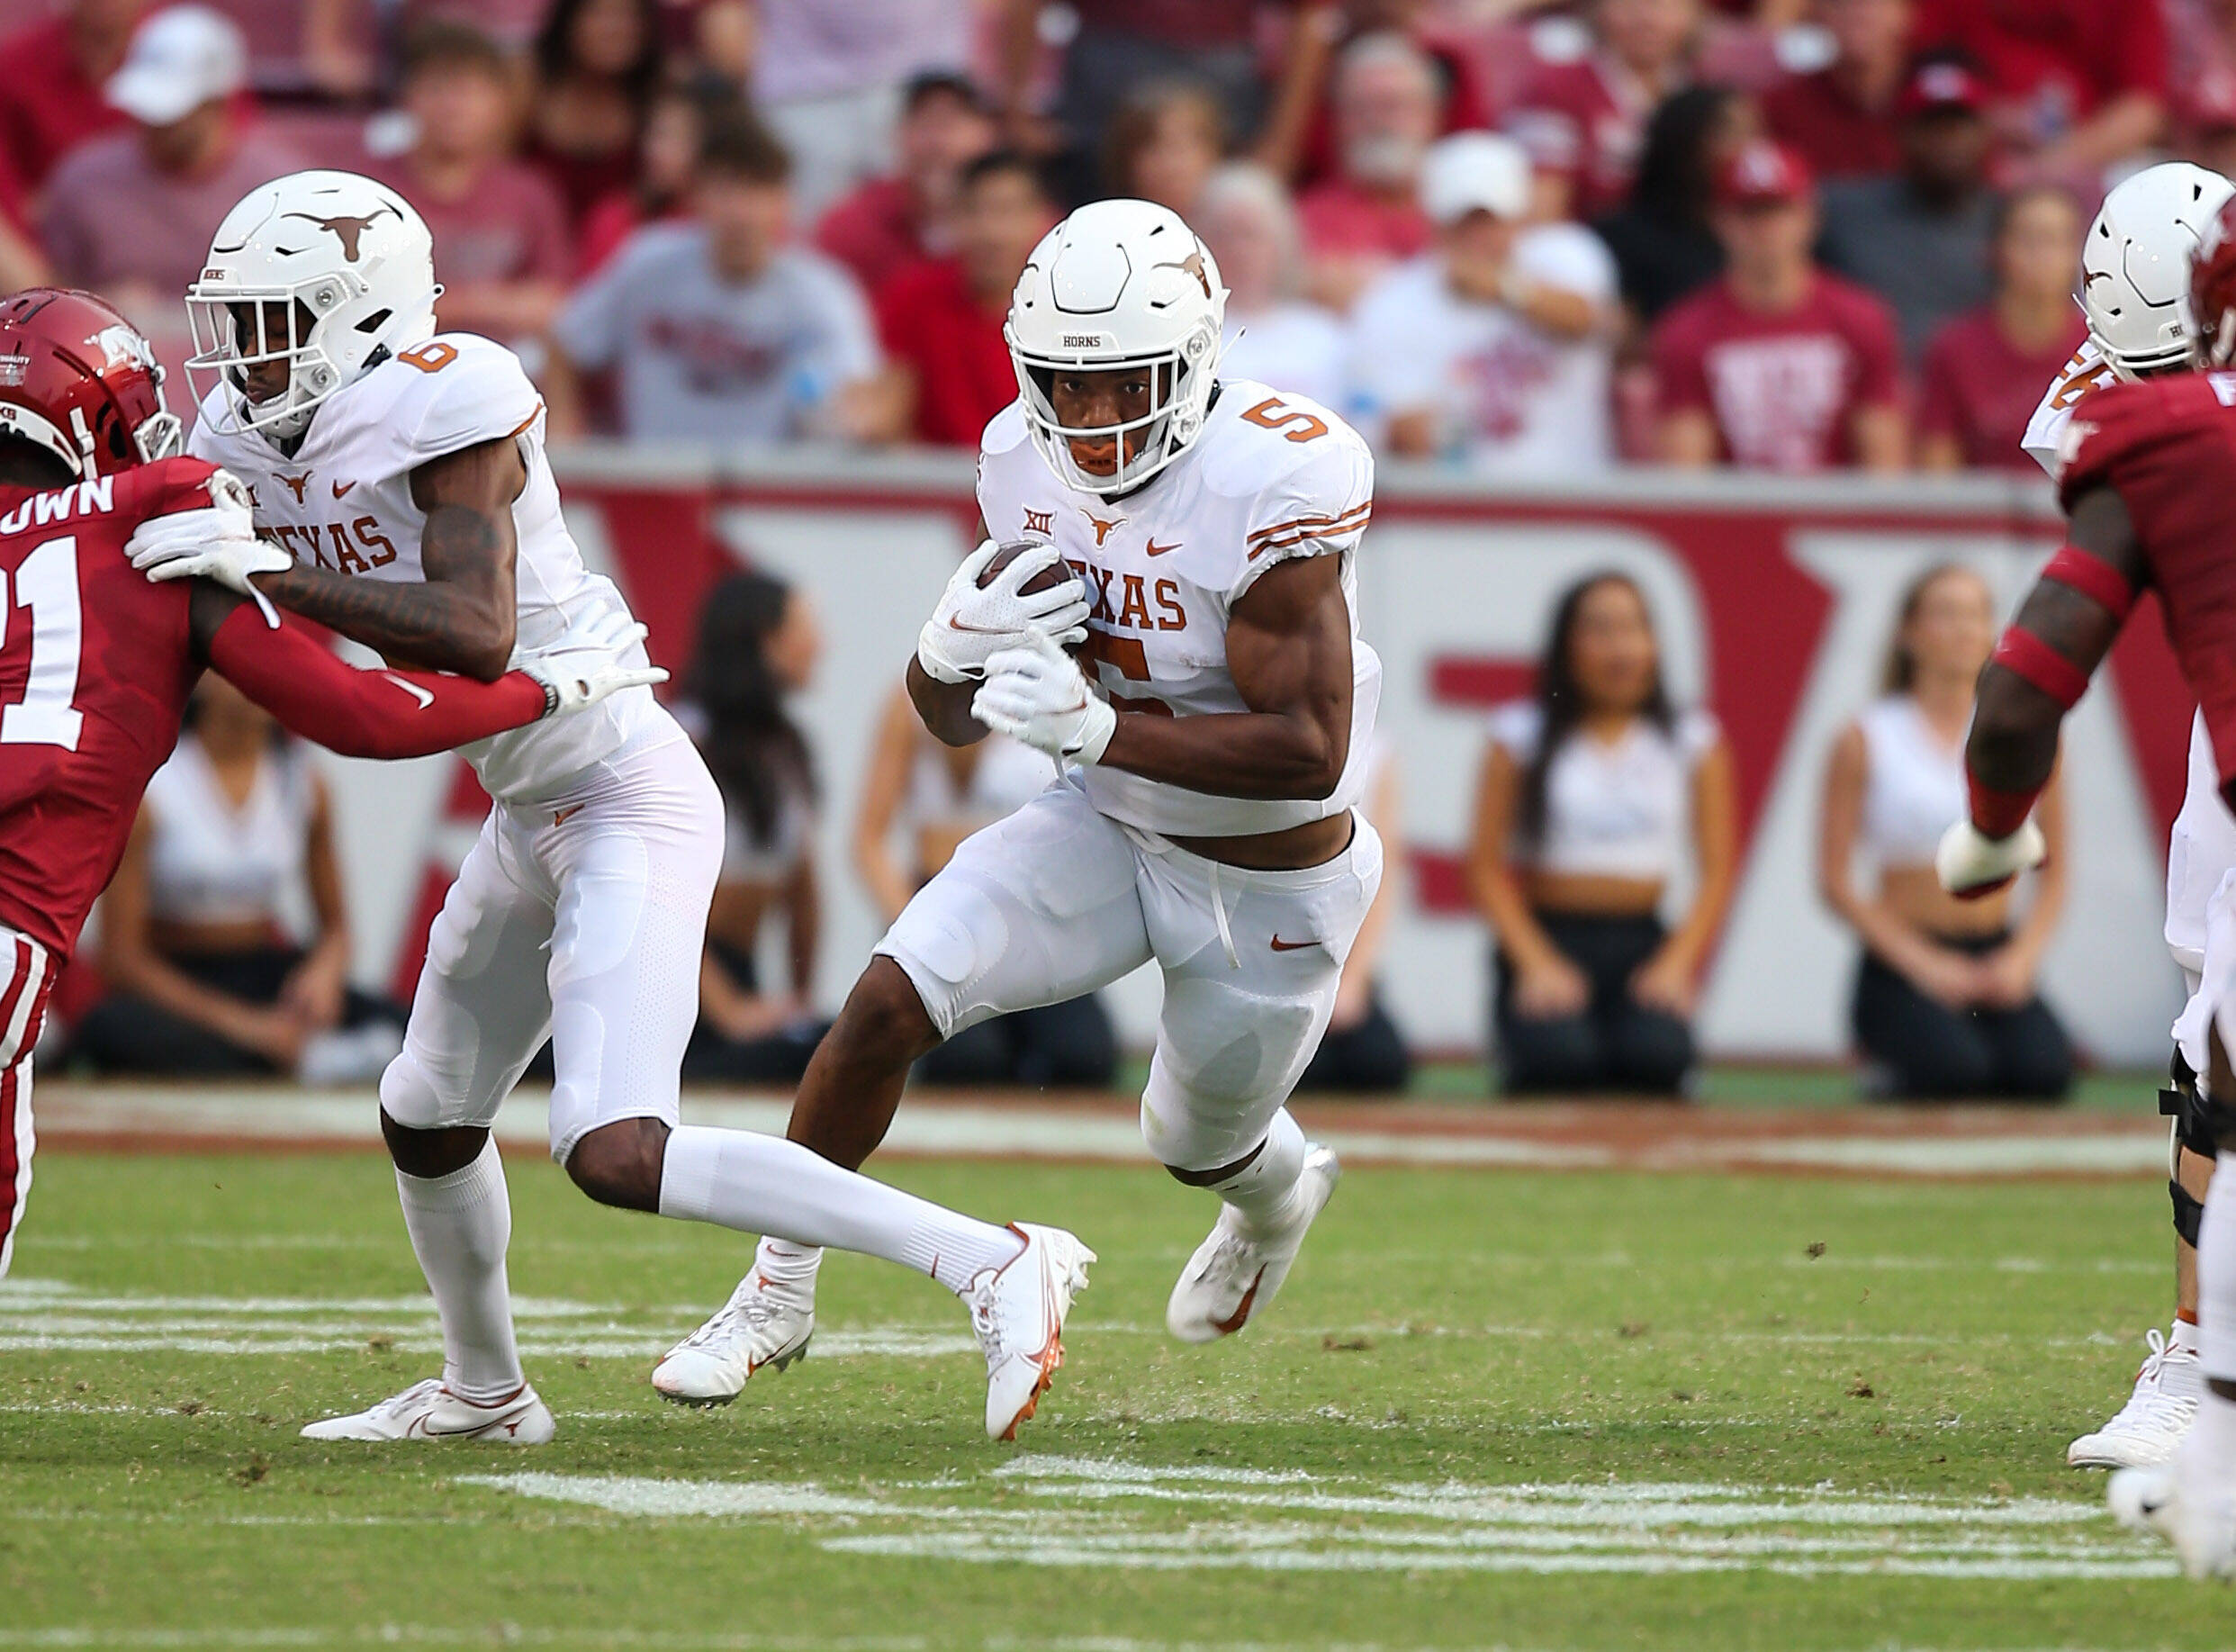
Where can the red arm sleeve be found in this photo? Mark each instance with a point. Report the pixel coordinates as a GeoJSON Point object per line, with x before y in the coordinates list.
{"type": "Point", "coordinates": [364, 713]}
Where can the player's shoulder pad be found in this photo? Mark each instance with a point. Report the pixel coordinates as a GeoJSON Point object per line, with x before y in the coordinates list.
{"type": "Point", "coordinates": [452, 392]}
{"type": "Point", "coordinates": [168, 485]}
{"type": "Point", "coordinates": [1306, 474]}
{"type": "Point", "coordinates": [1005, 430]}
{"type": "Point", "coordinates": [212, 415]}
{"type": "Point", "coordinates": [1259, 440]}
{"type": "Point", "coordinates": [2123, 423]}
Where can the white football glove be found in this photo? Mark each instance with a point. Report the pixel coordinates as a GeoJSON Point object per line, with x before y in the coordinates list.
{"type": "Point", "coordinates": [1037, 695]}
{"type": "Point", "coordinates": [586, 666]}
{"type": "Point", "coordinates": [218, 542]}
{"type": "Point", "coordinates": [1972, 864]}
{"type": "Point", "coordinates": [970, 626]}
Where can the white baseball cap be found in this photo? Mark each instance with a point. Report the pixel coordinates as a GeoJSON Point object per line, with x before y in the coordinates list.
{"type": "Point", "coordinates": [182, 57]}
{"type": "Point", "coordinates": [1472, 172]}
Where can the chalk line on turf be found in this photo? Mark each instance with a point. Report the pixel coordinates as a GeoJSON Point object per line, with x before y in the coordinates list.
{"type": "Point", "coordinates": [1102, 1512]}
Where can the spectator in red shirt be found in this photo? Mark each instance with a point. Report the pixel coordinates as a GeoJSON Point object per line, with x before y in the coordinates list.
{"type": "Point", "coordinates": [890, 222]}
{"type": "Point", "coordinates": [667, 159]}
{"type": "Point", "coordinates": [1985, 371]}
{"type": "Point", "coordinates": [1387, 111]}
{"type": "Point", "coordinates": [947, 365]}
{"type": "Point", "coordinates": [50, 79]}
{"type": "Point", "coordinates": [2203, 111]}
{"type": "Point", "coordinates": [129, 214]}
{"type": "Point", "coordinates": [1165, 139]}
{"type": "Point", "coordinates": [1841, 118]}
{"type": "Point", "coordinates": [501, 248]}
{"type": "Point", "coordinates": [1584, 122]}
{"type": "Point", "coordinates": [2078, 85]}
{"type": "Point", "coordinates": [597, 65]}
{"type": "Point", "coordinates": [1778, 365]}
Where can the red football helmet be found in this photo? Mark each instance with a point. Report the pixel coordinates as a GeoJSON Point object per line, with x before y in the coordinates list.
{"type": "Point", "coordinates": [2212, 289]}
{"type": "Point", "coordinates": [77, 378]}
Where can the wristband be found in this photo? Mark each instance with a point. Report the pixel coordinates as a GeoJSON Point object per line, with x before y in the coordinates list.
{"type": "Point", "coordinates": [2032, 661]}
{"type": "Point", "coordinates": [1997, 814]}
{"type": "Point", "coordinates": [2093, 578]}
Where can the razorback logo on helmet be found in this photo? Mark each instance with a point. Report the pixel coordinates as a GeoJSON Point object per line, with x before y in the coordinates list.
{"type": "Point", "coordinates": [123, 347]}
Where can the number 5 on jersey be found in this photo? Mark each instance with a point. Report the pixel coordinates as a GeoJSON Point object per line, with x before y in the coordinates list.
{"type": "Point", "coordinates": [45, 588]}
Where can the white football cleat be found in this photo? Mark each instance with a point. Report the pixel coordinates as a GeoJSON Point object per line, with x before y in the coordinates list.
{"type": "Point", "coordinates": [2146, 1430]}
{"type": "Point", "coordinates": [2199, 1524]}
{"type": "Point", "coordinates": [1018, 1311]}
{"type": "Point", "coordinates": [764, 1325]}
{"type": "Point", "coordinates": [1234, 1274]}
{"type": "Point", "coordinates": [429, 1411]}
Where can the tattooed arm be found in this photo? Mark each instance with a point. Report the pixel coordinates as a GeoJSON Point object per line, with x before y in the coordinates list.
{"type": "Point", "coordinates": [462, 618]}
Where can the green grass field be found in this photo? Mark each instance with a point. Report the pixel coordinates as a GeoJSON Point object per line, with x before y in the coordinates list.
{"type": "Point", "coordinates": [1528, 1411]}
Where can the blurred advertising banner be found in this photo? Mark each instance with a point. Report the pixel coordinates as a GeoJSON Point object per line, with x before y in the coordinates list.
{"type": "Point", "coordinates": [1775, 601]}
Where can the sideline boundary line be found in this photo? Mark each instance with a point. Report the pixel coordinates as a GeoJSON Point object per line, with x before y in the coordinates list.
{"type": "Point", "coordinates": [1933, 1145]}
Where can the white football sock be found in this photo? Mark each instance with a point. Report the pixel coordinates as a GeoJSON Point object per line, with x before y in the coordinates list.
{"type": "Point", "coordinates": [2216, 1272]}
{"type": "Point", "coordinates": [1262, 1193]}
{"type": "Point", "coordinates": [2183, 1339]}
{"type": "Point", "coordinates": [760, 1184]}
{"type": "Point", "coordinates": [460, 1224]}
{"type": "Point", "coordinates": [782, 1262]}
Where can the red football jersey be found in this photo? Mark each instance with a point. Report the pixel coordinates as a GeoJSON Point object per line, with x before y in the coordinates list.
{"type": "Point", "coordinates": [2168, 446]}
{"type": "Point", "coordinates": [95, 665]}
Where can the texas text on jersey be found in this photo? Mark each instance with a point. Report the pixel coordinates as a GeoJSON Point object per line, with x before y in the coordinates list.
{"type": "Point", "coordinates": [1272, 477]}
{"type": "Point", "coordinates": [343, 500]}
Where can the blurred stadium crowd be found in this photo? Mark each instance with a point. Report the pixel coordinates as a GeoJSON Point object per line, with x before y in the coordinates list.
{"type": "Point", "coordinates": [1512, 235]}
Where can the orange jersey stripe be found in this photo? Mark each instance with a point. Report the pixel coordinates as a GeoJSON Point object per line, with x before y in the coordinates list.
{"type": "Point", "coordinates": [1311, 521]}
{"type": "Point", "coordinates": [1311, 528]}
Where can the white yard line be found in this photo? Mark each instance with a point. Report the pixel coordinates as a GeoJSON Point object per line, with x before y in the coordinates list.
{"type": "Point", "coordinates": [1100, 1512]}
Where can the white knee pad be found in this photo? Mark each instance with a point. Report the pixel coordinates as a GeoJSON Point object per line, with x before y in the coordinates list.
{"type": "Point", "coordinates": [1226, 1061]}
{"type": "Point", "coordinates": [409, 1095]}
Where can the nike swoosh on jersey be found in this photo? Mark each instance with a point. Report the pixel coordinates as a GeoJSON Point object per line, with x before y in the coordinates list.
{"type": "Point", "coordinates": [1279, 945]}
{"type": "Point", "coordinates": [1155, 549]}
{"type": "Point", "coordinates": [341, 488]}
{"type": "Point", "coordinates": [425, 698]}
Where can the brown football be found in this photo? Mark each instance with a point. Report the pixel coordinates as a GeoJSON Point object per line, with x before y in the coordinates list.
{"type": "Point", "coordinates": [1046, 579]}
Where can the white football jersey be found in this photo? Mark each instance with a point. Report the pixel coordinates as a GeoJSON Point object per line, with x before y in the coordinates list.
{"type": "Point", "coordinates": [1273, 476]}
{"type": "Point", "coordinates": [2086, 370]}
{"type": "Point", "coordinates": [343, 502]}
{"type": "Point", "coordinates": [2201, 846]}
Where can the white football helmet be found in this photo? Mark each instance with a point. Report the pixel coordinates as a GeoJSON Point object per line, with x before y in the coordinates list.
{"type": "Point", "coordinates": [1118, 283]}
{"type": "Point", "coordinates": [348, 263]}
{"type": "Point", "coordinates": [2135, 265]}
